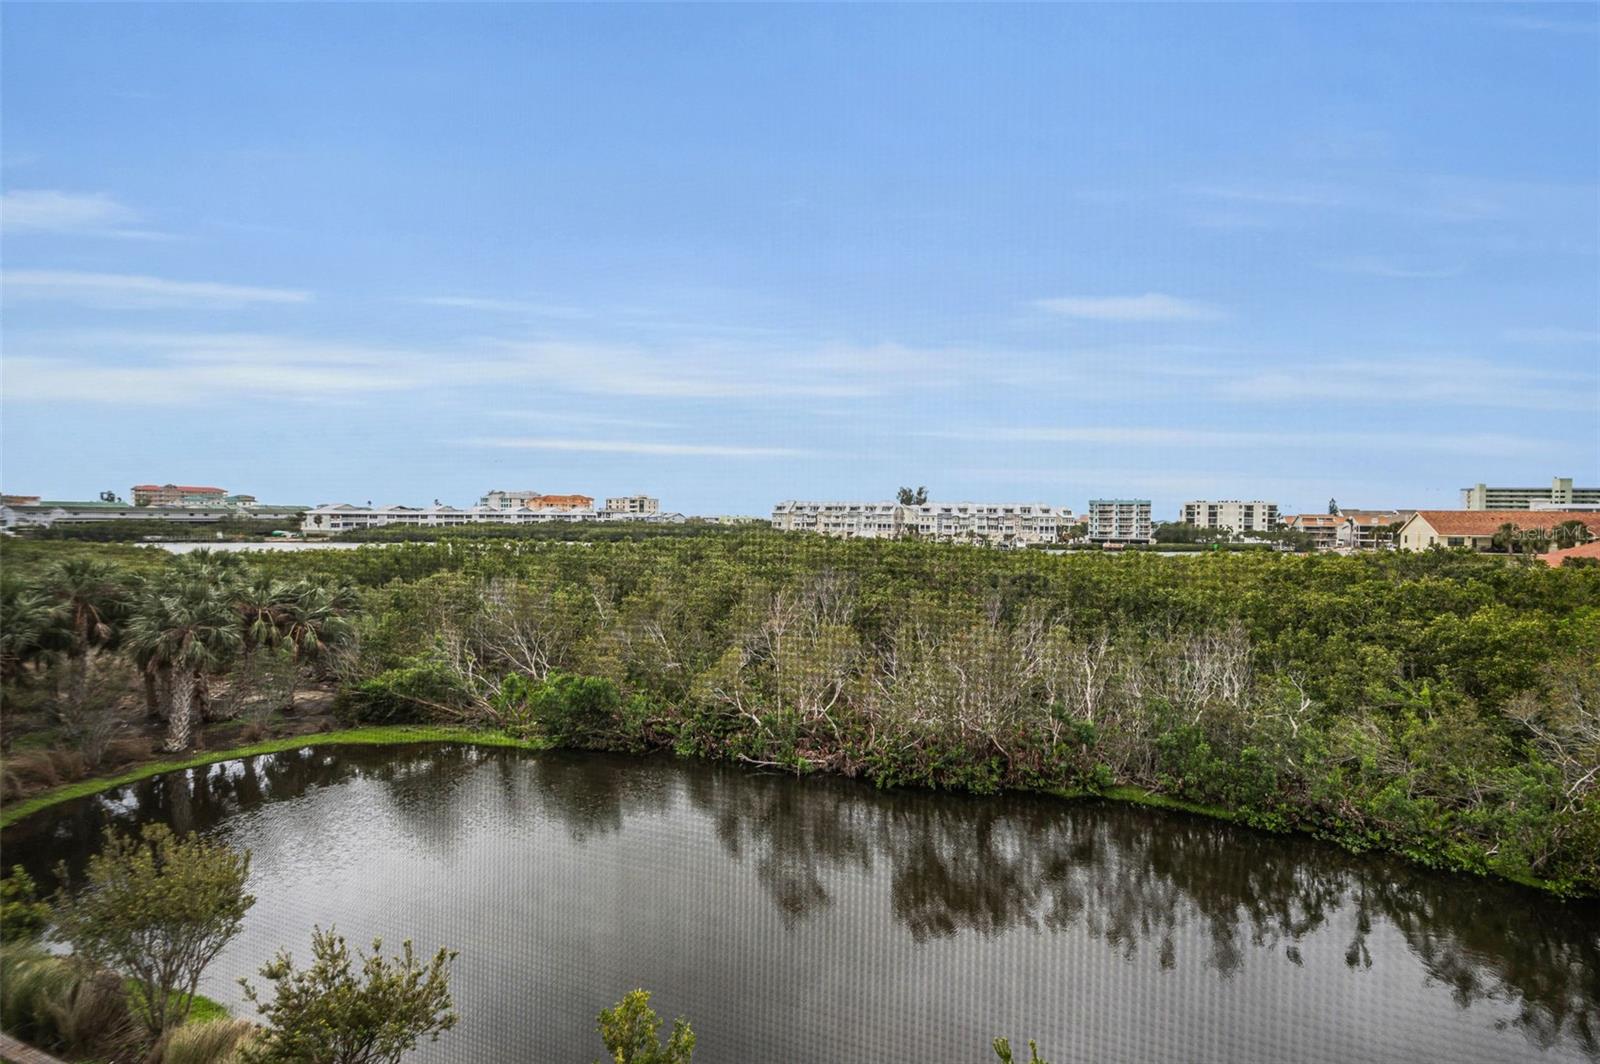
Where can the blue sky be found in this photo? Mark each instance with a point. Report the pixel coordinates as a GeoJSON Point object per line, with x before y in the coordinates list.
{"type": "Point", "coordinates": [730, 255]}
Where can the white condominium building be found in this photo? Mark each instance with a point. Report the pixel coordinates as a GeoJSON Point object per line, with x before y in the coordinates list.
{"type": "Point", "coordinates": [1560, 495]}
{"type": "Point", "coordinates": [508, 500]}
{"type": "Point", "coordinates": [633, 504]}
{"type": "Point", "coordinates": [1255, 515]}
{"type": "Point", "coordinates": [1000, 523]}
{"type": "Point", "coordinates": [1120, 521]}
{"type": "Point", "coordinates": [343, 517]}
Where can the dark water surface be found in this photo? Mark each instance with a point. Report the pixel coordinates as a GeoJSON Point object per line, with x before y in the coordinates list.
{"type": "Point", "coordinates": [820, 920]}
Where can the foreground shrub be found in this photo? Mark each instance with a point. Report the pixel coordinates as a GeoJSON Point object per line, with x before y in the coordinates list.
{"type": "Point", "coordinates": [65, 1006]}
{"type": "Point", "coordinates": [159, 907]}
{"type": "Point", "coordinates": [420, 691]}
{"type": "Point", "coordinates": [1002, 1049]}
{"type": "Point", "coordinates": [631, 1029]}
{"type": "Point", "coordinates": [30, 980]}
{"type": "Point", "coordinates": [209, 1042]}
{"type": "Point", "coordinates": [330, 1014]}
{"type": "Point", "coordinates": [23, 916]}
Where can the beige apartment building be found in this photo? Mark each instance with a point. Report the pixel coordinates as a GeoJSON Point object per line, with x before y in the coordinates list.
{"type": "Point", "coordinates": [1256, 515]}
{"type": "Point", "coordinates": [633, 504]}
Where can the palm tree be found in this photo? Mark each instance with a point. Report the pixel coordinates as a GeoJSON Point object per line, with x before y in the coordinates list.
{"type": "Point", "coordinates": [314, 623]}
{"type": "Point", "coordinates": [1534, 540]}
{"type": "Point", "coordinates": [28, 617]}
{"type": "Point", "coordinates": [92, 595]}
{"type": "Point", "coordinates": [261, 602]}
{"type": "Point", "coordinates": [187, 631]}
{"type": "Point", "coordinates": [1506, 537]}
{"type": "Point", "coordinates": [1572, 533]}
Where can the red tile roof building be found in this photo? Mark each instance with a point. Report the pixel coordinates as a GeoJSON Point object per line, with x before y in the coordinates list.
{"type": "Point", "coordinates": [174, 494]}
{"type": "Point", "coordinates": [1557, 558]}
{"type": "Point", "coordinates": [1476, 529]}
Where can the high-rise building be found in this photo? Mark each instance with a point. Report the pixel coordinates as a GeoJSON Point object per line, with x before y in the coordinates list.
{"type": "Point", "coordinates": [1560, 495]}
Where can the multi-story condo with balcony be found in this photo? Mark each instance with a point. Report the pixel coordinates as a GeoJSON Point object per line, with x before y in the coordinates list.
{"type": "Point", "coordinates": [1321, 529]}
{"type": "Point", "coordinates": [1560, 495]}
{"type": "Point", "coordinates": [533, 500]}
{"type": "Point", "coordinates": [1007, 524]}
{"type": "Point", "coordinates": [1120, 521]}
{"type": "Point", "coordinates": [1235, 515]}
{"type": "Point", "coordinates": [1369, 529]}
{"type": "Point", "coordinates": [176, 495]}
{"type": "Point", "coordinates": [633, 504]}
{"type": "Point", "coordinates": [343, 517]}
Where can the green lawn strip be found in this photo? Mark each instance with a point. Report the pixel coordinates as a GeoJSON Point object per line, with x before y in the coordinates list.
{"type": "Point", "coordinates": [373, 736]}
{"type": "Point", "coordinates": [201, 1008]}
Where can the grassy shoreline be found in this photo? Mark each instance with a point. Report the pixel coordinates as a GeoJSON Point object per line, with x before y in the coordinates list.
{"type": "Point", "coordinates": [422, 733]}
{"type": "Point", "coordinates": [364, 736]}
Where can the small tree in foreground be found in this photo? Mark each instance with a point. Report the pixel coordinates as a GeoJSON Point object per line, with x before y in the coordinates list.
{"type": "Point", "coordinates": [1002, 1049]}
{"type": "Point", "coordinates": [332, 1014]}
{"type": "Point", "coordinates": [159, 908]}
{"type": "Point", "coordinates": [23, 917]}
{"type": "Point", "coordinates": [631, 1031]}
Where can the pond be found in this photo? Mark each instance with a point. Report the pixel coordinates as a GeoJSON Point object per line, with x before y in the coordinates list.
{"type": "Point", "coordinates": [821, 920]}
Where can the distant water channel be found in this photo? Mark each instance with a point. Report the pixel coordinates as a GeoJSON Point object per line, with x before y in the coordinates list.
{"type": "Point", "coordinates": [822, 921]}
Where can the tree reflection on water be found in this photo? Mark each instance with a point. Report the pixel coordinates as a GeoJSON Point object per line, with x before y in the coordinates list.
{"type": "Point", "coordinates": [1135, 879]}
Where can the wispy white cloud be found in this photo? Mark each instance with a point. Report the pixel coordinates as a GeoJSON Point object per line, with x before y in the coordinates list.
{"type": "Point", "coordinates": [122, 291]}
{"type": "Point", "coordinates": [1452, 199]}
{"type": "Point", "coordinates": [165, 366]}
{"type": "Point", "coordinates": [636, 447]}
{"type": "Point", "coordinates": [1537, 24]}
{"type": "Point", "coordinates": [548, 417]}
{"type": "Point", "coordinates": [1152, 306]}
{"type": "Point", "coordinates": [1378, 266]}
{"type": "Point", "coordinates": [47, 380]}
{"type": "Point", "coordinates": [1416, 383]}
{"type": "Point", "coordinates": [1274, 194]}
{"type": "Point", "coordinates": [1225, 439]}
{"type": "Point", "coordinates": [503, 306]}
{"type": "Point", "coordinates": [82, 213]}
{"type": "Point", "coordinates": [1552, 335]}
{"type": "Point", "coordinates": [715, 370]}
{"type": "Point", "coordinates": [193, 369]}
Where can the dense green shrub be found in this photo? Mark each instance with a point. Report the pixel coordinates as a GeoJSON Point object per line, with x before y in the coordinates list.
{"type": "Point", "coordinates": [581, 711]}
{"type": "Point", "coordinates": [23, 916]}
{"type": "Point", "coordinates": [421, 691]}
{"type": "Point", "coordinates": [350, 1009]}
